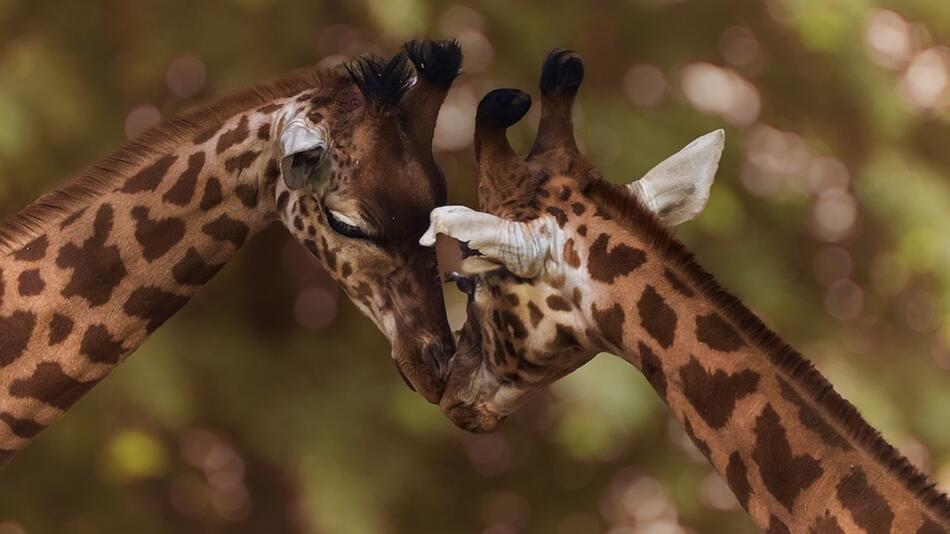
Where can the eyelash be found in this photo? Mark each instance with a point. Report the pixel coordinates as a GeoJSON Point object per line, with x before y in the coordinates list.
{"type": "Point", "coordinates": [345, 229]}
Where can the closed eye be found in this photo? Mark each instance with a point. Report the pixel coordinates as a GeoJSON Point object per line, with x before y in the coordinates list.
{"type": "Point", "coordinates": [345, 228]}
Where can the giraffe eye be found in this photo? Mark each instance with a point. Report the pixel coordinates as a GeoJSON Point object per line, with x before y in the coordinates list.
{"type": "Point", "coordinates": [345, 228]}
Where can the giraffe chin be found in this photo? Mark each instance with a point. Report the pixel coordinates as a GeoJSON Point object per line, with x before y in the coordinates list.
{"type": "Point", "coordinates": [475, 418]}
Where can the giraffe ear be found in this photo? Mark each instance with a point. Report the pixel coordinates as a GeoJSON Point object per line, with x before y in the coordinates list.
{"type": "Point", "coordinates": [303, 149]}
{"type": "Point", "coordinates": [677, 189]}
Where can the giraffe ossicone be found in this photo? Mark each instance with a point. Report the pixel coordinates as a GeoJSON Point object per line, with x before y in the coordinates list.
{"type": "Point", "coordinates": [798, 457]}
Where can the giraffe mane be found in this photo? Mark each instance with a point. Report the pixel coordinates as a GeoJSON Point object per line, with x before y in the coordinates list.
{"type": "Point", "coordinates": [102, 176]}
{"type": "Point", "coordinates": [627, 209]}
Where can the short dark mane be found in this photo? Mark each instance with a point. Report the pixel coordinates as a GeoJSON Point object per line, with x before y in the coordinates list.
{"type": "Point", "coordinates": [102, 176]}
{"type": "Point", "coordinates": [627, 210]}
{"type": "Point", "coordinates": [383, 83]}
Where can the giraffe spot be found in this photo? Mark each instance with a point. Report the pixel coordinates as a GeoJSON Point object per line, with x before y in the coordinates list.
{"type": "Point", "coordinates": [247, 194]}
{"type": "Point", "coordinates": [225, 228]}
{"type": "Point", "coordinates": [826, 525]}
{"type": "Point", "coordinates": [578, 208]}
{"type": "Point", "coordinates": [156, 237]}
{"type": "Point", "coordinates": [738, 479]}
{"type": "Point", "coordinates": [700, 444]}
{"type": "Point", "coordinates": [72, 218]}
{"type": "Point", "coordinates": [271, 172]}
{"type": "Point", "coordinates": [282, 200]}
{"type": "Point", "coordinates": [233, 137]}
{"type": "Point", "coordinates": [50, 385]}
{"type": "Point", "coordinates": [182, 192]}
{"type": "Point", "coordinates": [206, 135]}
{"type": "Point", "coordinates": [565, 193]}
{"type": "Point", "coordinates": [241, 162]}
{"type": "Point", "coordinates": [298, 223]}
{"type": "Point", "coordinates": [559, 215]}
{"type": "Point", "coordinates": [776, 526]}
{"type": "Point", "coordinates": [263, 132]}
{"type": "Point", "coordinates": [60, 327]}
{"type": "Point", "coordinates": [534, 314]}
{"type": "Point", "coordinates": [192, 270]}
{"type": "Point", "coordinates": [15, 333]}
{"type": "Point", "coordinates": [212, 196]}
{"type": "Point", "coordinates": [652, 369]}
{"type": "Point", "coordinates": [30, 283]}
{"type": "Point", "coordinates": [582, 230]}
{"type": "Point", "coordinates": [602, 213]}
{"type": "Point", "coordinates": [868, 508]}
{"type": "Point", "coordinates": [99, 347]}
{"type": "Point", "coordinates": [330, 255]}
{"type": "Point", "coordinates": [346, 270]}
{"type": "Point", "coordinates": [714, 332]}
{"type": "Point", "coordinates": [656, 317]}
{"type": "Point", "coordinates": [34, 250]}
{"type": "Point", "coordinates": [153, 305]}
{"type": "Point", "coordinates": [148, 178]}
{"type": "Point", "coordinates": [929, 527]}
{"type": "Point", "coordinates": [678, 285]}
{"type": "Point", "coordinates": [610, 324]}
{"type": "Point", "coordinates": [97, 268]}
{"type": "Point", "coordinates": [564, 338]}
{"type": "Point", "coordinates": [571, 257]}
{"type": "Point", "coordinates": [558, 303]}
{"type": "Point", "coordinates": [514, 326]}
{"type": "Point", "coordinates": [784, 474]}
{"type": "Point", "coordinates": [577, 298]}
{"type": "Point", "coordinates": [605, 266]}
{"type": "Point", "coordinates": [714, 396]}
{"type": "Point", "coordinates": [811, 419]}
{"type": "Point", "coordinates": [24, 428]}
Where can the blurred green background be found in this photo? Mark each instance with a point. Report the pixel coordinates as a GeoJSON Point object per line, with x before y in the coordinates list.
{"type": "Point", "coordinates": [270, 404]}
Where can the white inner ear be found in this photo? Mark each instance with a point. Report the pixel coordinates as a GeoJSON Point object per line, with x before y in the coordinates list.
{"type": "Point", "coordinates": [678, 188]}
{"type": "Point", "coordinates": [300, 138]}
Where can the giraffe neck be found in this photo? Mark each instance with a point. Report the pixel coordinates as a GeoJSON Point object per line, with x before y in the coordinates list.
{"type": "Point", "coordinates": [797, 456]}
{"type": "Point", "coordinates": [81, 291]}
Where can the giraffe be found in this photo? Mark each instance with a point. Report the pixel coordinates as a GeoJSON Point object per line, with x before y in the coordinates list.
{"type": "Point", "coordinates": [565, 265]}
{"type": "Point", "coordinates": [341, 157]}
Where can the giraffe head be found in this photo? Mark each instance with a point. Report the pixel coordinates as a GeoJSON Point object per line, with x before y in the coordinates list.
{"type": "Point", "coordinates": [358, 183]}
{"type": "Point", "coordinates": [532, 261]}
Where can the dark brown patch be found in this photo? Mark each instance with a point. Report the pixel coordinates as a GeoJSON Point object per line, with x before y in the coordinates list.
{"type": "Point", "coordinates": [578, 208]}
{"type": "Point", "coordinates": [148, 178]}
{"type": "Point", "coordinates": [242, 161]}
{"type": "Point", "coordinates": [564, 194]}
{"type": "Point", "coordinates": [15, 333]}
{"type": "Point", "coordinates": [868, 508]}
{"type": "Point", "coordinates": [233, 137]}
{"type": "Point", "coordinates": [156, 237]}
{"type": "Point", "coordinates": [678, 285]}
{"type": "Point", "coordinates": [225, 228]}
{"type": "Point", "coordinates": [714, 332]}
{"type": "Point", "coordinates": [558, 303]}
{"type": "Point", "coordinates": [776, 526]}
{"type": "Point", "coordinates": [183, 191]}
{"type": "Point", "coordinates": [49, 384]}
{"type": "Point", "coordinates": [97, 268]}
{"type": "Point", "coordinates": [282, 200]}
{"type": "Point", "coordinates": [271, 172]}
{"type": "Point", "coordinates": [34, 250]}
{"type": "Point", "coordinates": [248, 195]}
{"type": "Point", "coordinates": [212, 196]}
{"type": "Point", "coordinates": [206, 135]}
{"type": "Point", "coordinates": [192, 270]}
{"type": "Point", "coordinates": [610, 324]}
{"type": "Point", "coordinates": [811, 419]}
{"type": "Point", "coordinates": [98, 345]}
{"type": "Point", "coordinates": [571, 257]}
{"type": "Point", "coordinates": [24, 428]}
{"type": "Point", "coordinates": [513, 325]}
{"type": "Point", "coordinates": [929, 527]}
{"type": "Point", "coordinates": [577, 298]}
{"type": "Point", "coordinates": [738, 479]}
{"type": "Point", "coordinates": [826, 525]}
{"type": "Point", "coordinates": [652, 369]}
{"type": "Point", "coordinates": [784, 474]}
{"type": "Point", "coordinates": [558, 214]}
{"type": "Point", "coordinates": [30, 283]}
{"type": "Point", "coordinates": [714, 396]}
{"type": "Point", "coordinates": [263, 132]}
{"type": "Point", "coordinates": [582, 230]}
{"type": "Point", "coordinates": [346, 269]}
{"type": "Point", "coordinates": [700, 444]}
{"type": "Point", "coordinates": [154, 305]}
{"type": "Point", "coordinates": [534, 314]}
{"type": "Point", "coordinates": [60, 327]}
{"type": "Point", "coordinates": [656, 317]}
{"type": "Point", "coordinates": [605, 266]}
